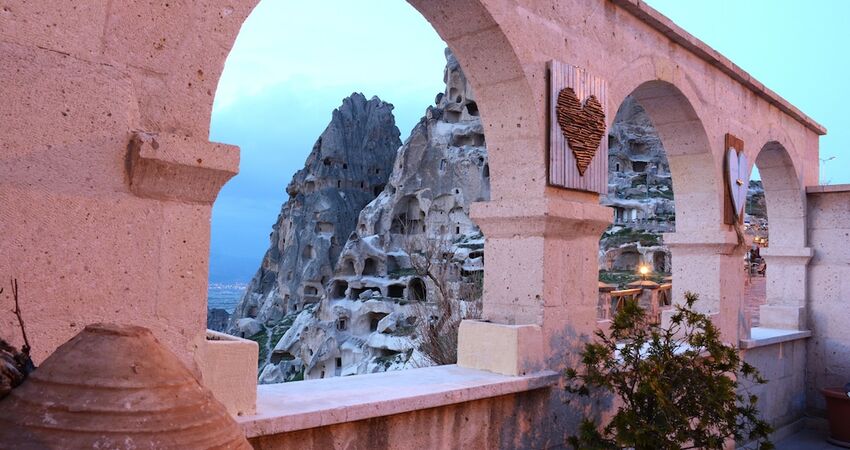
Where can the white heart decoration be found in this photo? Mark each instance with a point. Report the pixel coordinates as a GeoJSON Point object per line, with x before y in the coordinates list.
{"type": "Point", "coordinates": [739, 179]}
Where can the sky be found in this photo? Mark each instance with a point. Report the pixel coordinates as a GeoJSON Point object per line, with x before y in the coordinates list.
{"type": "Point", "coordinates": [287, 72]}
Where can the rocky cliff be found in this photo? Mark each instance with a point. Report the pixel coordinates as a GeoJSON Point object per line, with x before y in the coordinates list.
{"type": "Point", "coordinates": [414, 263]}
{"type": "Point", "coordinates": [640, 190]}
{"type": "Point", "coordinates": [348, 166]}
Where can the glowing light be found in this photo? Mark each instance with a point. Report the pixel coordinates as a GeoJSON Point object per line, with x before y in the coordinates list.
{"type": "Point", "coordinates": [643, 269]}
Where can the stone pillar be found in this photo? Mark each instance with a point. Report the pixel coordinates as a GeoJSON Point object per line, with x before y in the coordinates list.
{"type": "Point", "coordinates": [710, 265]}
{"type": "Point", "coordinates": [542, 268]}
{"type": "Point", "coordinates": [787, 270]}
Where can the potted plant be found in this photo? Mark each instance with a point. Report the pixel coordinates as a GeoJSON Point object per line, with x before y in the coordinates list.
{"type": "Point", "coordinates": [678, 386]}
{"type": "Point", "coordinates": [838, 414]}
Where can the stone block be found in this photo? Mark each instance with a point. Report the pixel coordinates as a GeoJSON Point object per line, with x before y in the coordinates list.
{"type": "Point", "coordinates": [505, 349]}
{"type": "Point", "coordinates": [228, 367]}
{"type": "Point", "coordinates": [171, 167]}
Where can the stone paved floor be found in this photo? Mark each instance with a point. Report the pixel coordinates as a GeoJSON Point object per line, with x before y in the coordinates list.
{"type": "Point", "coordinates": [806, 440]}
{"type": "Point", "coordinates": [755, 295]}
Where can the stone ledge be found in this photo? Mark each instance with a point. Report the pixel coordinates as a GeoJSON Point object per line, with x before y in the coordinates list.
{"type": "Point", "coordinates": [821, 189]}
{"type": "Point", "coordinates": [287, 407]}
{"type": "Point", "coordinates": [762, 337]}
{"type": "Point", "coordinates": [166, 166]}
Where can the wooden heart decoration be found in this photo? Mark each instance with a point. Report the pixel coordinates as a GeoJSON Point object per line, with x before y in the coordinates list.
{"type": "Point", "coordinates": [737, 167]}
{"type": "Point", "coordinates": [583, 126]}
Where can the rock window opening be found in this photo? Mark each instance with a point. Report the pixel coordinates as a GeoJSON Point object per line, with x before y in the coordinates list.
{"type": "Point", "coordinates": [487, 170]}
{"type": "Point", "coordinates": [392, 264]}
{"type": "Point", "coordinates": [370, 267]}
{"type": "Point", "coordinates": [417, 290]}
{"type": "Point", "coordinates": [311, 290]}
{"type": "Point", "coordinates": [617, 167]}
{"type": "Point", "coordinates": [308, 252]}
{"type": "Point", "coordinates": [338, 363]}
{"type": "Point", "coordinates": [342, 324]}
{"type": "Point", "coordinates": [377, 171]}
{"type": "Point", "coordinates": [324, 227]}
{"type": "Point", "coordinates": [277, 357]}
{"type": "Point", "coordinates": [344, 166]}
{"type": "Point", "coordinates": [339, 288]}
{"type": "Point", "coordinates": [457, 230]}
{"type": "Point", "coordinates": [362, 185]}
{"type": "Point", "coordinates": [326, 161]}
{"type": "Point", "coordinates": [348, 267]}
{"type": "Point", "coordinates": [472, 109]}
{"type": "Point", "coordinates": [355, 292]}
{"type": "Point", "coordinates": [374, 320]}
{"type": "Point", "coordinates": [395, 291]}
{"type": "Point", "coordinates": [378, 189]}
{"type": "Point", "coordinates": [639, 166]}
{"type": "Point", "coordinates": [452, 116]}
{"type": "Point", "coordinates": [338, 184]}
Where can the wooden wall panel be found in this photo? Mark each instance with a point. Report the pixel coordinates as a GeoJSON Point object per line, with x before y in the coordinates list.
{"type": "Point", "coordinates": [562, 163]}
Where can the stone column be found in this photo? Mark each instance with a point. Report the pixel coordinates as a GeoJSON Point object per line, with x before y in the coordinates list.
{"type": "Point", "coordinates": [710, 264]}
{"type": "Point", "coordinates": [787, 270]}
{"type": "Point", "coordinates": [541, 278]}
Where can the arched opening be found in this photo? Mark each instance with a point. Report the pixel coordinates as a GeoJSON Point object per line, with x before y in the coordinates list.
{"type": "Point", "coordinates": [694, 232]}
{"type": "Point", "coordinates": [640, 192]}
{"type": "Point", "coordinates": [338, 289]}
{"type": "Point", "coordinates": [482, 78]}
{"type": "Point", "coordinates": [688, 156]}
{"type": "Point", "coordinates": [370, 267]}
{"type": "Point", "coordinates": [775, 228]}
{"type": "Point", "coordinates": [416, 290]}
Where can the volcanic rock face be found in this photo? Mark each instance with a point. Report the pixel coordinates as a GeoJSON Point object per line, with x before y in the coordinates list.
{"type": "Point", "coordinates": [348, 166]}
{"type": "Point", "coordinates": [371, 315]}
{"type": "Point", "coordinates": [640, 190]}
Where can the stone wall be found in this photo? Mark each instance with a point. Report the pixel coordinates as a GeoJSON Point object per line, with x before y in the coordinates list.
{"type": "Point", "coordinates": [782, 400]}
{"type": "Point", "coordinates": [829, 290]}
{"type": "Point", "coordinates": [506, 422]}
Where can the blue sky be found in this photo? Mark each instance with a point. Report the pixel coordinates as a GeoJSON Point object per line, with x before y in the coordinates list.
{"type": "Point", "coordinates": [287, 72]}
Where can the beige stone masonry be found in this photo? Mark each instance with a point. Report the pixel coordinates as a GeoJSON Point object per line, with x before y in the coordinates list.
{"type": "Point", "coordinates": [505, 349]}
{"type": "Point", "coordinates": [227, 365]}
{"type": "Point", "coordinates": [786, 288]}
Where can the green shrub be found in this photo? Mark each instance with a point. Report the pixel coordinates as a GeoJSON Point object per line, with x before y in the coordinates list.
{"type": "Point", "coordinates": [678, 386]}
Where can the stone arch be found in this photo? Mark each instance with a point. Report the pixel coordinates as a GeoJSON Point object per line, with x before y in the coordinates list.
{"type": "Point", "coordinates": [688, 149]}
{"type": "Point", "coordinates": [784, 195]}
{"type": "Point", "coordinates": [787, 255]}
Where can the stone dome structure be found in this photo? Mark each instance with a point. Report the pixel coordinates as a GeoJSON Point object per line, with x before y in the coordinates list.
{"type": "Point", "coordinates": [115, 386]}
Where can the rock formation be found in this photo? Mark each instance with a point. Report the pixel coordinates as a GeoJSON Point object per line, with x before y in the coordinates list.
{"type": "Point", "coordinates": [414, 251]}
{"type": "Point", "coordinates": [640, 190]}
{"type": "Point", "coordinates": [348, 166]}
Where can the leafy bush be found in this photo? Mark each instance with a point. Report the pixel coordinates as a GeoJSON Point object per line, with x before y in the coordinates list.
{"type": "Point", "coordinates": [677, 385]}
